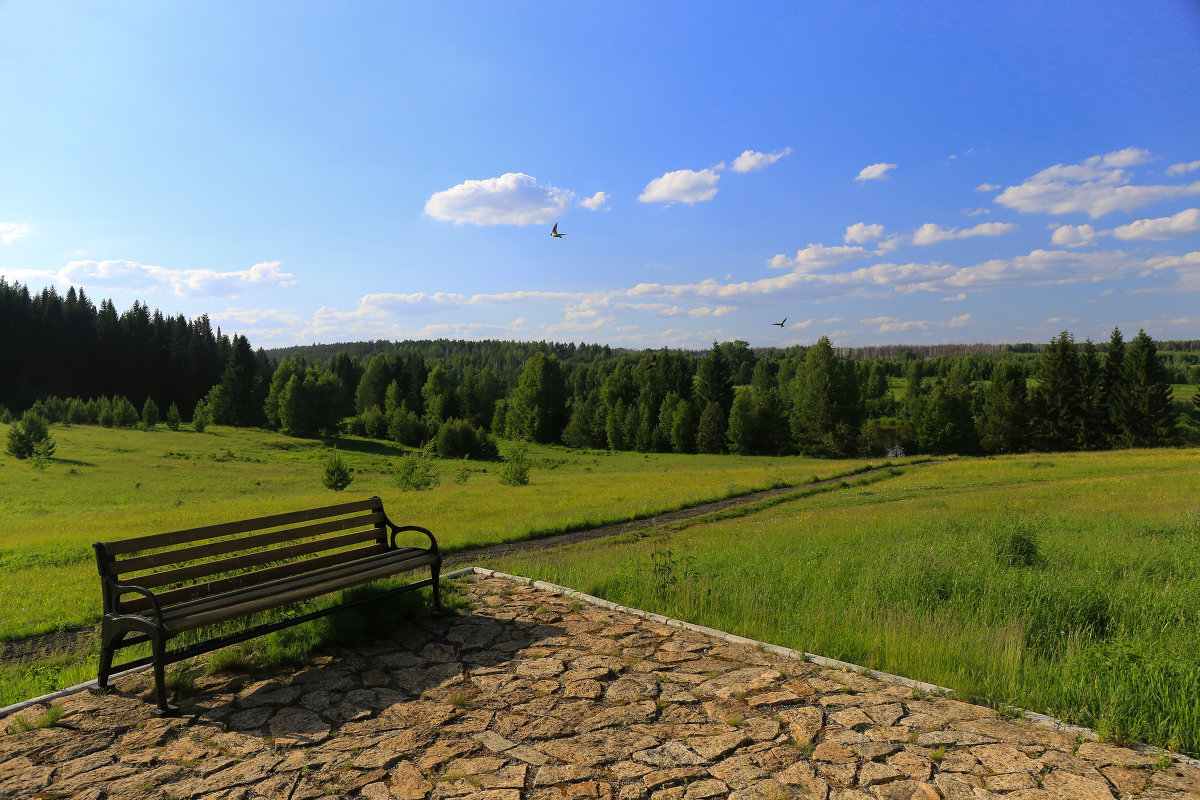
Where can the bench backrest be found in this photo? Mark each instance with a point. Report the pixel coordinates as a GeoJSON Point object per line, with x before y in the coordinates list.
{"type": "Point", "coordinates": [185, 565]}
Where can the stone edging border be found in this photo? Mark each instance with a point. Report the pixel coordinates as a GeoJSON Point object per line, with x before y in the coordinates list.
{"type": "Point", "coordinates": [786, 652]}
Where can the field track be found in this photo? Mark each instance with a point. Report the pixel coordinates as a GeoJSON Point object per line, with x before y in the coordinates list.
{"type": "Point", "coordinates": [75, 639]}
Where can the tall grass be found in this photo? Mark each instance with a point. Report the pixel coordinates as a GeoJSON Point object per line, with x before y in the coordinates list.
{"type": "Point", "coordinates": [1066, 584]}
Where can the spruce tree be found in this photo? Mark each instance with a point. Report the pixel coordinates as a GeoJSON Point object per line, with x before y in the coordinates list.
{"type": "Point", "coordinates": [1148, 411]}
{"type": "Point", "coordinates": [1093, 418]}
{"type": "Point", "coordinates": [1112, 387]}
{"type": "Point", "coordinates": [710, 433]}
{"type": "Point", "coordinates": [1003, 422]}
{"type": "Point", "coordinates": [1057, 405]}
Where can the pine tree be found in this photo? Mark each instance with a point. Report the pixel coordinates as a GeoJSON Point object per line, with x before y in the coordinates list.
{"type": "Point", "coordinates": [1003, 421]}
{"type": "Point", "coordinates": [1057, 405]}
{"type": "Point", "coordinates": [1148, 412]}
{"type": "Point", "coordinates": [173, 418]}
{"type": "Point", "coordinates": [149, 413]}
{"type": "Point", "coordinates": [1112, 387]}
{"type": "Point", "coordinates": [710, 433]}
{"type": "Point", "coordinates": [826, 404]}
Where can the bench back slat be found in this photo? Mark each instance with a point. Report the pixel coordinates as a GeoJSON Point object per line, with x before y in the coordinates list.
{"type": "Point", "coordinates": [154, 541]}
{"type": "Point", "coordinates": [187, 594]}
{"type": "Point", "coordinates": [244, 561]}
{"type": "Point", "coordinates": [183, 555]}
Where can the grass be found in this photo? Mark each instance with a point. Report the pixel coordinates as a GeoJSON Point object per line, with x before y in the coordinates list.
{"type": "Point", "coordinates": [109, 484]}
{"type": "Point", "coordinates": [1061, 583]}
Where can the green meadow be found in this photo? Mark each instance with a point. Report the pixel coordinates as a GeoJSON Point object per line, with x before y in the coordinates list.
{"type": "Point", "coordinates": [110, 483]}
{"type": "Point", "coordinates": [1067, 584]}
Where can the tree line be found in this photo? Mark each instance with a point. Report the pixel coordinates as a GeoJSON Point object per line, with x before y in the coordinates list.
{"type": "Point", "coordinates": [457, 396]}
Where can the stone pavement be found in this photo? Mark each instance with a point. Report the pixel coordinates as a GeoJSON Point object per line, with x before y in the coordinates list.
{"type": "Point", "coordinates": [530, 694]}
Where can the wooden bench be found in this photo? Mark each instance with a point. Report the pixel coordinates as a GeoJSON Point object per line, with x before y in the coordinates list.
{"type": "Point", "coordinates": [157, 587]}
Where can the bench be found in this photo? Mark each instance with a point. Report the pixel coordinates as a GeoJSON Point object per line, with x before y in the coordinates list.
{"type": "Point", "coordinates": [159, 586]}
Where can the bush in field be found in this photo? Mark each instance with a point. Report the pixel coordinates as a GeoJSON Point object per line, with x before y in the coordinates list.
{"type": "Point", "coordinates": [406, 428]}
{"type": "Point", "coordinates": [124, 414]}
{"type": "Point", "coordinates": [5, 415]}
{"type": "Point", "coordinates": [201, 417]}
{"type": "Point", "coordinates": [78, 412]}
{"type": "Point", "coordinates": [515, 471]}
{"type": "Point", "coordinates": [337, 475]}
{"type": "Point", "coordinates": [173, 418]}
{"type": "Point", "coordinates": [416, 472]}
{"type": "Point", "coordinates": [150, 414]}
{"type": "Point", "coordinates": [457, 439]}
{"type": "Point", "coordinates": [27, 435]}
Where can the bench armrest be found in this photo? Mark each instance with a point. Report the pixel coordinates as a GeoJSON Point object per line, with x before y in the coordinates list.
{"type": "Point", "coordinates": [433, 545]}
{"type": "Point", "coordinates": [119, 589]}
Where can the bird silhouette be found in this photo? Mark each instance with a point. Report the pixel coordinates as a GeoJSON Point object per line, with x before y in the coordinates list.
{"type": "Point", "coordinates": [554, 232]}
{"type": "Point", "coordinates": [780, 324]}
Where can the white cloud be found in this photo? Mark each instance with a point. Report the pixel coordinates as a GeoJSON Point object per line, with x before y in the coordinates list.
{"type": "Point", "coordinates": [1074, 235]}
{"type": "Point", "coordinates": [512, 199]}
{"type": "Point", "coordinates": [1098, 185]}
{"type": "Point", "coordinates": [1182, 224]}
{"type": "Point", "coordinates": [29, 276]}
{"type": "Point", "coordinates": [875, 172]}
{"type": "Point", "coordinates": [988, 187]}
{"type": "Point", "coordinates": [817, 256]}
{"type": "Point", "coordinates": [975, 212]}
{"type": "Point", "coordinates": [750, 160]}
{"type": "Point", "coordinates": [930, 233]}
{"type": "Point", "coordinates": [11, 231]}
{"type": "Point", "coordinates": [123, 275]}
{"type": "Point", "coordinates": [892, 325]}
{"type": "Point", "coordinates": [957, 298]}
{"type": "Point", "coordinates": [861, 233]}
{"type": "Point", "coordinates": [595, 202]}
{"type": "Point", "coordinates": [682, 186]}
{"type": "Point", "coordinates": [1183, 168]}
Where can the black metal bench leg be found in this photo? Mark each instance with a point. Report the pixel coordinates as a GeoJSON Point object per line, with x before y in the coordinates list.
{"type": "Point", "coordinates": [435, 573]}
{"type": "Point", "coordinates": [164, 709]}
{"type": "Point", "coordinates": [109, 644]}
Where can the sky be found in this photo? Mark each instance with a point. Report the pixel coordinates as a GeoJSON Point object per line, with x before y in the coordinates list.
{"type": "Point", "coordinates": [878, 173]}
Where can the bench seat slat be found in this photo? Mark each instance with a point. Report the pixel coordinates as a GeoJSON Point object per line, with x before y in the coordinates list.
{"type": "Point", "coordinates": [122, 546]}
{"type": "Point", "coordinates": [303, 587]}
{"type": "Point", "coordinates": [230, 583]}
{"type": "Point", "coordinates": [196, 552]}
{"type": "Point", "coordinates": [205, 569]}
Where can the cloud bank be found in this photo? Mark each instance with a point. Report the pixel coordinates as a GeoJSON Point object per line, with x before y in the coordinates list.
{"type": "Point", "coordinates": [512, 199]}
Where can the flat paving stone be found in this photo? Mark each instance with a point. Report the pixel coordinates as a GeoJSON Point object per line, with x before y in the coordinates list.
{"type": "Point", "coordinates": [527, 695]}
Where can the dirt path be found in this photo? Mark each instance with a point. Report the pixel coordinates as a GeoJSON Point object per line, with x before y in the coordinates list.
{"type": "Point", "coordinates": [82, 639]}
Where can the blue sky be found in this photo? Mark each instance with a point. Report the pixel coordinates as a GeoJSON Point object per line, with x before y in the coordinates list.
{"type": "Point", "coordinates": [874, 172]}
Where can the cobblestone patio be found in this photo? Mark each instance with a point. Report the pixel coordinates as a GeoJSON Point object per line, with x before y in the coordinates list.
{"type": "Point", "coordinates": [530, 694]}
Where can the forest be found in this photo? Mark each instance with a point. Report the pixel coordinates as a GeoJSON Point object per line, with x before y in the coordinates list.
{"type": "Point", "coordinates": [457, 397]}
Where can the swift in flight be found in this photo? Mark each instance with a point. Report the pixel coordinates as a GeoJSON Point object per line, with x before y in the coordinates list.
{"type": "Point", "coordinates": [554, 232]}
{"type": "Point", "coordinates": [780, 324]}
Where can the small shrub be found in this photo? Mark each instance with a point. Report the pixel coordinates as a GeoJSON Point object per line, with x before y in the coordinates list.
{"type": "Point", "coordinates": [337, 475]}
{"type": "Point", "coordinates": [43, 453]}
{"type": "Point", "coordinates": [173, 418]}
{"type": "Point", "coordinates": [201, 417]}
{"type": "Point", "coordinates": [515, 471]}
{"type": "Point", "coordinates": [124, 414]}
{"type": "Point", "coordinates": [25, 435]}
{"type": "Point", "coordinates": [417, 472]}
{"type": "Point", "coordinates": [150, 414]}
{"type": "Point", "coordinates": [463, 475]}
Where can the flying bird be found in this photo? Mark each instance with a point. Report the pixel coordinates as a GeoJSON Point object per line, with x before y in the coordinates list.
{"type": "Point", "coordinates": [554, 232]}
{"type": "Point", "coordinates": [780, 324]}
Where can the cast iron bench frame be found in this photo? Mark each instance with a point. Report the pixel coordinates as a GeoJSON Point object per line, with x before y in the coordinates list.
{"type": "Point", "coordinates": [189, 579]}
